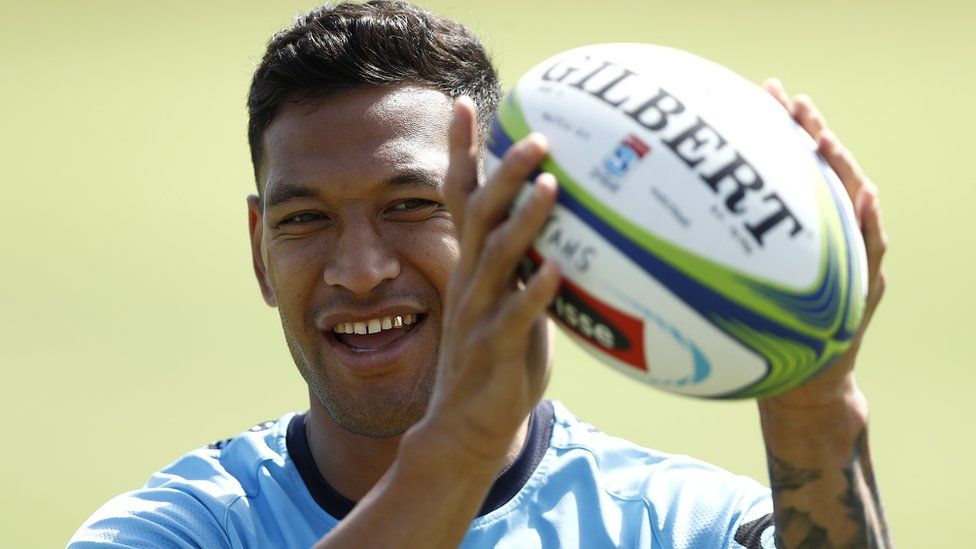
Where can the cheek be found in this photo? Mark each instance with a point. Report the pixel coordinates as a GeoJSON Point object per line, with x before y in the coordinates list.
{"type": "Point", "coordinates": [434, 253]}
{"type": "Point", "coordinates": [293, 269]}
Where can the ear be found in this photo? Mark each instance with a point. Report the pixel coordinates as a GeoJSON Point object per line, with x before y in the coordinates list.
{"type": "Point", "coordinates": [255, 222]}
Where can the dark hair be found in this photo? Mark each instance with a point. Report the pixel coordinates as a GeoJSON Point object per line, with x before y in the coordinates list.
{"type": "Point", "coordinates": [380, 43]}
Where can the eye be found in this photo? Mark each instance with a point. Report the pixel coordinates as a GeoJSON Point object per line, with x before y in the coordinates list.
{"type": "Point", "coordinates": [411, 204]}
{"type": "Point", "coordinates": [413, 209]}
{"type": "Point", "coordinates": [300, 219]}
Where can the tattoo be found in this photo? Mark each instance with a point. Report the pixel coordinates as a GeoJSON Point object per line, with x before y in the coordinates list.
{"type": "Point", "coordinates": [859, 500]}
{"type": "Point", "coordinates": [783, 476]}
{"type": "Point", "coordinates": [796, 525]}
{"type": "Point", "coordinates": [867, 514]}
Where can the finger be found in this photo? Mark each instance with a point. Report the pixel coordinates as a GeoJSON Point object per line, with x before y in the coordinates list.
{"type": "Point", "coordinates": [507, 243]}
{"type": "Point", "coordinates": [844, 165]}
{"type": "Point", "coordinates": [875, 238]}
{"type": "Point", "coordinates": [462, 171]}
{"type": "Point", "coordinates": [875, 244]}
{"type": "Point", "coordinates": [541, 343]}
{"type": "Point", "coordinates": [524, 308]}
{"type": "Point", "coordinates": [775, 88]}
{"type": "Point", "coordinates": [489, 206]}
{"type": "Point", "coordinates": [808, 116]}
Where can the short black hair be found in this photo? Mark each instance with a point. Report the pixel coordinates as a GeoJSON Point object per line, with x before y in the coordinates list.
{"type": "Point", "coordinates": [380, 43]}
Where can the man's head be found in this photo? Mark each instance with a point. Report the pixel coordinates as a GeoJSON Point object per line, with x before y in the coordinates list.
{"type": "Point", "coordinates": [348, 133]}
{"type": "Point", "coordinates": [379, 44]}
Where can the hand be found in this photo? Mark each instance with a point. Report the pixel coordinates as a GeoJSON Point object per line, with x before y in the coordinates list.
{"type": "Point", "coordinates": [837, 383]}
{"type": "Point", "coordinates": [494, 349]}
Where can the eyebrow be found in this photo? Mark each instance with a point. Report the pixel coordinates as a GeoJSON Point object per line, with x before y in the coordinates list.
{"type": "Point", "coordinates": [415, 178]}
{"type": "Point", "coordinates": [286, 192]}
{"type": "Point", "coordinates": [282, 193]}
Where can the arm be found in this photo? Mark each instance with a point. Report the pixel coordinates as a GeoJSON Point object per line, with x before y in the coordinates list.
{"type": "Point", "coordinates": [820, 471]}
{"type": "Point", "coordinates": [493, 361]}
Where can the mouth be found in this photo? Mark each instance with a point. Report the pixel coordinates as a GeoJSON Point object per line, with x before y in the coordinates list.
{"type": "Point", "coordinates": [376, 333]}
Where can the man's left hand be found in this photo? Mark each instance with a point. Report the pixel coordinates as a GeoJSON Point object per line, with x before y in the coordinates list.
{"type": "Point", "coordinates": [837, 382]}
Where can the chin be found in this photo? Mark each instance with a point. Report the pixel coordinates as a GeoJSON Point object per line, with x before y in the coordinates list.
{"type": "Point", "coordinates": [376, 415]}
{"type": "Point", "coordinates": [380, 407]}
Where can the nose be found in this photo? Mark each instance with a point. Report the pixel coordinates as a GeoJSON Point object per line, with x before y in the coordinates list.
{"type": "Point", "coordinates": [361, 259]}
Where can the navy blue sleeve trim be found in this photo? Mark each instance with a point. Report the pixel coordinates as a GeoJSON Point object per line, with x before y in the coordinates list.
{"type": "Point", "coordinates": [749, 535]}
{"type": "Point", "coordinates": [502, 491]}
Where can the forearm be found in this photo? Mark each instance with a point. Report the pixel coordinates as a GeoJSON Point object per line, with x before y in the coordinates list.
{"type": "Point", "coordinates": [820, 472]}
{"type": "Point", "coordinates": [424, 500]}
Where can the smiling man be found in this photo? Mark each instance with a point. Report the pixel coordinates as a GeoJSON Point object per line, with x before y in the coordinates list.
{"type": "Point", "coordinates": [351, 236]}
{"type": "Point", "coordinates": [391, 264]}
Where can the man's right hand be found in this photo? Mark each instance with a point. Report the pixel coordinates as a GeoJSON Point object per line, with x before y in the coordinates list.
{"type": "Point", "coordinates": [493, 359]}
{"type": "Point", "coordinates": [495, 345]}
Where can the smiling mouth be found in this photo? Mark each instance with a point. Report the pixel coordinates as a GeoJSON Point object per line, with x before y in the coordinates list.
{"type": "Point", "coordinates": [375, 333]}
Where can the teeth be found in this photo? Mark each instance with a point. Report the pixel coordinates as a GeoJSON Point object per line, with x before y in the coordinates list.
{"type": "Point", "coordinates": [375, 325]}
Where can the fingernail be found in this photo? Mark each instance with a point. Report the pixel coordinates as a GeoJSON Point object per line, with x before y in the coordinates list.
{"type": "Point", "coordinates": [551, 265]}
{"type": "Point", "coordinates": [535, 141]}
{"type": "Point", "coordinates": [545, 179]}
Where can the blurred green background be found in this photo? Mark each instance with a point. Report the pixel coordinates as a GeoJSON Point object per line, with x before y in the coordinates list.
{"type": "Point", "coordinates": [131, 329]}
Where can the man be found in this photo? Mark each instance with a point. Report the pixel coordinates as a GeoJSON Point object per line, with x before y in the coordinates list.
{"type": "Point", "coordinates": [391, 266]}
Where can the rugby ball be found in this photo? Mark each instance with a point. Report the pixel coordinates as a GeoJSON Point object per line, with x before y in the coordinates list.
{"type": "Point", "coordinates": [706, 248]}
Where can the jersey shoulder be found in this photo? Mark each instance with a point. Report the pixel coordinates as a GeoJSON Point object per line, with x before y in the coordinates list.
{"type": "Point", "coordinates": [189, 500]}
{"type": "Point", "coordinates": [686, 502]}
{"type": "Point", "coordinates": [629, 470]}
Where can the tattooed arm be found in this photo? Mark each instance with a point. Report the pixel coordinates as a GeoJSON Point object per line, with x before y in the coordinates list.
{"type": "Point", "coordinates": [820, 471]}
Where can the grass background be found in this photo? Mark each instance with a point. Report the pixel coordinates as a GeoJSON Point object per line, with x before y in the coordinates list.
{"type": "Point", "coordinates": [131, 329]}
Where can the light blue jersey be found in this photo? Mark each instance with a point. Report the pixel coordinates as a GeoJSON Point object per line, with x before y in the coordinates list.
{"type": "Point", "coordinates": [571, 486]}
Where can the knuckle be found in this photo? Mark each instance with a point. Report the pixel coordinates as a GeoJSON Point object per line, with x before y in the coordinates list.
{"type": "Point", "coordinates": [802, 100]}
{"type": "Point", "coordinates": [500, 251]}
{"type": "Point", "coordinates": [514, 160]}
{"type": "Point", "coordinates": [495, 243]}
{"type": "Point", "coordinates": [882, 283]}
{"type": "Point", "coordinates": [845, 155]}
{"type": "Point", "coordinates": [870, 188]}
{"type": "Point", "coordinates": [477, 208]}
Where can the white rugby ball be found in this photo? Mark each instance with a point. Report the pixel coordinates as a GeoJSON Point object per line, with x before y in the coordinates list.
{"type": "Point", "coordinates": [707, 249]}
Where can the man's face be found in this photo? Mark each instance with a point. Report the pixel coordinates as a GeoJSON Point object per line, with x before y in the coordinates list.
{"type": "Point", "coordinates": [352, 235]}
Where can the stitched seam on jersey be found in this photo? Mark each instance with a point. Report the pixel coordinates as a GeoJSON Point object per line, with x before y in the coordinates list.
{"type": "Point", "coordinates": [567, 445]}
{"type": "Point", "coordinates": [538, 478]}
{"type": "Point", "coordinates": [226, 521]}
{"type": "Point", "coordinates": [596, 460]}
{"type": "Point", "coordinates": [649, 507]}
{"type": "Point", "coordinates": [220, 522]}
{"type": "Point", "coordinates": [246, 495]}
{"type": "Point", "coordinates": [643, 500]}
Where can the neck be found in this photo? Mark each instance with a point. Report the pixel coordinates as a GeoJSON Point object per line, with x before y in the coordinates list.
{"type": "Point", "coordinates": [352, 464]}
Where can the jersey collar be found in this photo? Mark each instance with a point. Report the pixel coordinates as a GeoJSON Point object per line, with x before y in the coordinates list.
{"type": "Point", "coordinates": [504, 489]}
